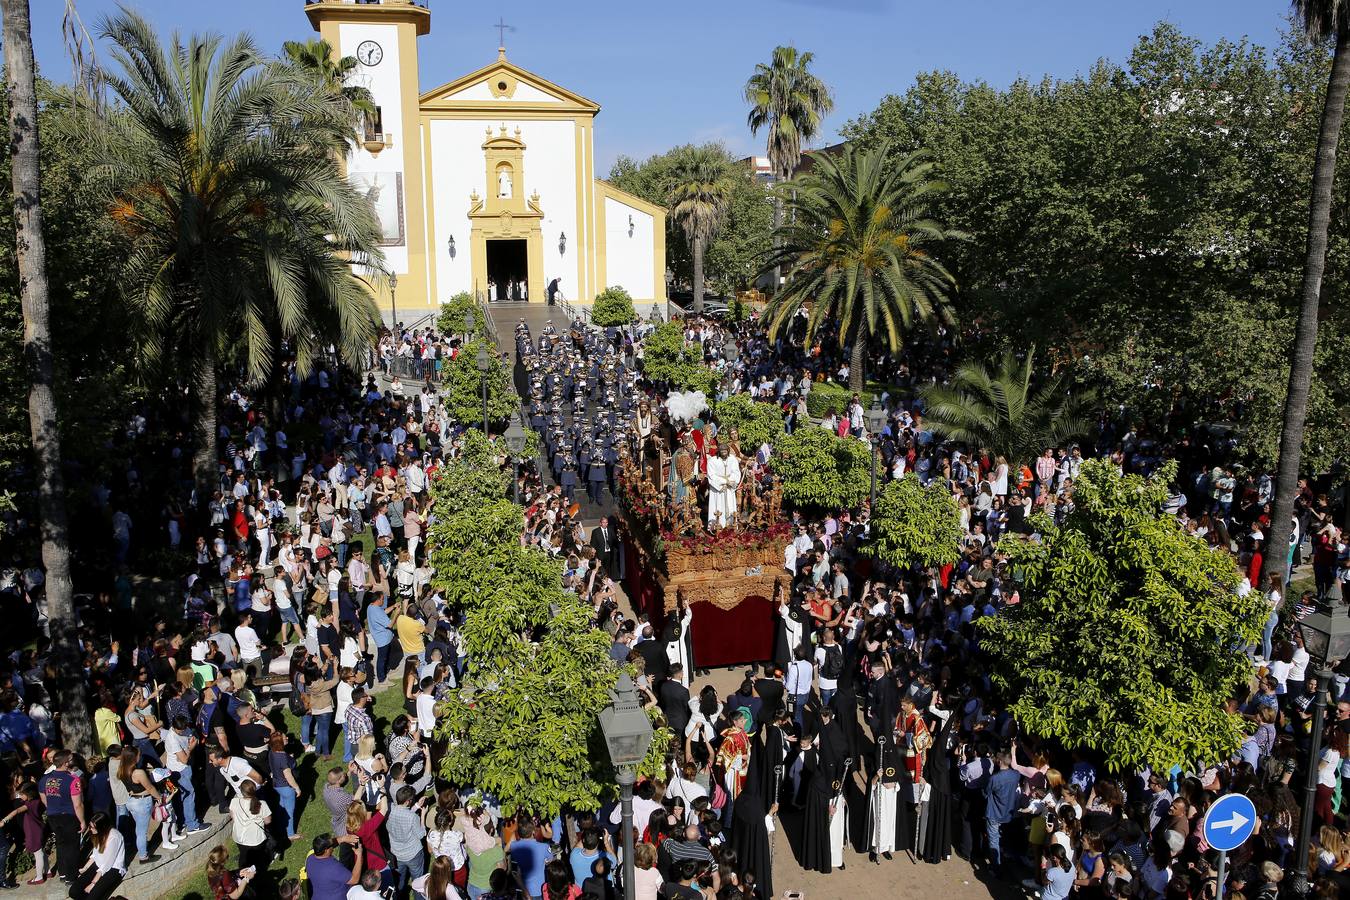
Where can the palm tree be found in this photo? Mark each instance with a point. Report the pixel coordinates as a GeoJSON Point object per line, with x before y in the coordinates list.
{"type": "Point", "coordinates": [859, 250]}
{"type": "Point", "coordinates": [315, 58]}
{"type": "Point", "coordinates": [1002, 412]}
{"type": "Point", "coordinates": [223, 171]}
{"type": "Point", "coordinates": [1321, 20]}
{"type": "Point", "coordinates": [700, 191]}
{"type": "Point", "coordinates": [31, 252]}
{"type": "Point", "coordinates": [788, 101]}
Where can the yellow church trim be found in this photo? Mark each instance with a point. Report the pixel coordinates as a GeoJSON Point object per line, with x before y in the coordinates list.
{"type": "Point", "coordinates": [433, 243]}
{"type": "Point", "coordinates": [442, 97]}
{"type": "Point", "coordinates": [324, 12]}
{"type": "Point", "coordinates": [658, 213]}
{"type": "Point", "coordinates": [419, 295]}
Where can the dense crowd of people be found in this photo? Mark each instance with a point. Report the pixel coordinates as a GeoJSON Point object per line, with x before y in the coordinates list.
{"type": "Point", "coordinates": [306, 586]}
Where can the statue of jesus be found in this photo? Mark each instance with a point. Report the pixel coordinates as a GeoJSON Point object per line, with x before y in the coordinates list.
{"type": "Point", "coordinates": [724, 477]}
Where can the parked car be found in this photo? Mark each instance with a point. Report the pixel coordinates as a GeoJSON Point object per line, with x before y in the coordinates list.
{"type": "Point", "coordinates": [714, 305]}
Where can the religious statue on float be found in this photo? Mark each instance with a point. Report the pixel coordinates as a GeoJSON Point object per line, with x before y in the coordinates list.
{"type": "Point", "coordinates": [724, 477]}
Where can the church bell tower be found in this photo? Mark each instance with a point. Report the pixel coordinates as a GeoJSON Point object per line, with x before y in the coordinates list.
{"type": "Point", "coordinates": [387, 162]}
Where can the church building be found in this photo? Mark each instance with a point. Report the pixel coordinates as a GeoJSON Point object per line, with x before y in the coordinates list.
{"type": "Point", "coordinates": [485, 184]}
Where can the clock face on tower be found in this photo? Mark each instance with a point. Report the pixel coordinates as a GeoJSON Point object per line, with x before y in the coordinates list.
{"type": "Point", "coordinates": [369, 53]}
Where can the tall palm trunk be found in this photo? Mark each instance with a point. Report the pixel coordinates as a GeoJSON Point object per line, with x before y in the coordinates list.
{"type": "Point", "coordinates": [76, 725]}
{"type": "Point", "coordinates": [205, 461]}
{"type": "Point", "coordinates": [777, 224]}
{"type": "Point", "coordinates": [1305, 336]}
{"type": "Point", "coordinates": [698, 274]}
{"type": "Point", "coordinates": [857, 361]}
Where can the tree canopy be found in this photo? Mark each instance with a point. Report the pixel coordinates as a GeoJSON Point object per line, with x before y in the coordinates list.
{"type": "Point", "coordinates": [821, 471]}
{"type": "Point", "coordinates": [1126, 638]}
{"type": "Point", "coordinates": [916, 525]}
{"type": "Point", "coordinates": [1005, 411]}
{"type": "Point", "coordinates": [1144, 222]}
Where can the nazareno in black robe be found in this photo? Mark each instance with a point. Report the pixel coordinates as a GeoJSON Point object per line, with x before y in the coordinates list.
{"type": "Point", "coordinates": [826, 766]}
{"type": "Point", "coordinates": [749, 833]}
{"type": "Point", "coordinates": [942, 807]}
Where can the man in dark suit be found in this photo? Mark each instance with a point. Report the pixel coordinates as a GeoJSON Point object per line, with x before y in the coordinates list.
{"type": "Point", "coordinates": [674, 700]}
{"type": "Point", "coordinates": [770, 689]}
{"type": "Point", "coordinates": [606, 550]}
{"type": "Point", "coordinates": [653, 654]}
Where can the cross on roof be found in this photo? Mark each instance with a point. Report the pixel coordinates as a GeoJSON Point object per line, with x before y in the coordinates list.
{"type": "Point", "coordinates": [502, 28]}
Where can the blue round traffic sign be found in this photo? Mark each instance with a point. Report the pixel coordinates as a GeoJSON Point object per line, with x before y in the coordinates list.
{"type": "Point", "coordinates": [1229, 821]}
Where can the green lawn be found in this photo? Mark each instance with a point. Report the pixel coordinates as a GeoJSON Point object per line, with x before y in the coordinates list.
{"type": "Point", "coordinates": [310, 772]}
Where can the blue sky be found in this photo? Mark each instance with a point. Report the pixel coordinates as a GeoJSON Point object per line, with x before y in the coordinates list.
{"type": "Point", "coordinates": [668, 73]}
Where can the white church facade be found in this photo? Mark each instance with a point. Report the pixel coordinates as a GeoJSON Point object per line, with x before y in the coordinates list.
{"type": "Point", "coordinates": [485, 184]}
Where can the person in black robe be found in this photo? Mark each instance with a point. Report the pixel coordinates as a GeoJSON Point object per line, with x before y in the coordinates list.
{"type": "Point", "coordinates": [845, 704]}
{"type": "Point", "coordinates": [941, 812]}
{"type": "Point", "coordinates": [750, 836]}
{"type": "Point", "coordinates": [826, 766]}
{"type": "Point", "coordinates": [768, 751]}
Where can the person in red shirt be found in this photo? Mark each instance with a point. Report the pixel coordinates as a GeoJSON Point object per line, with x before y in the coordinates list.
{"type": "Point", "coordinates": [239, 522]}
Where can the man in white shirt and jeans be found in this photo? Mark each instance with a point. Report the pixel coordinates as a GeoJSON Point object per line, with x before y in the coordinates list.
{"type": "Point", "coordinates": [798, 684]}
{"type": "Point", "coordinates": [179, 742]}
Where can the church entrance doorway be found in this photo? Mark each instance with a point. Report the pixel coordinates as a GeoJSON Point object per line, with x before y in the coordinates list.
{"type": "Point", "coordinates": [508, 270]}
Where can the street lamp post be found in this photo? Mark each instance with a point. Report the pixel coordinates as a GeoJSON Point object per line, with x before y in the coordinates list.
{"type": "Point", "coordinates": [484, 367]}
{"type": "Point", "coordinates": [515, 442]}
{"type": "Point", "coordinates": [468, 323]}
{"type": "Point", "coordinates": [628, 734]}
{"type": "Point", "coordinates": [1326, 636]}
{"type": "Point", "coordinates": [393, 303]}
{"type": "Point", "coordinates": [876, 420]}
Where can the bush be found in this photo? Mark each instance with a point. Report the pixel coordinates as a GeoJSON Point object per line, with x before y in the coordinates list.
{"type": "Point", "coordinates": [827, 394]}
{"type": "Point", "coordinates": [757, 422]}
{"type": "Point", "coordinates": [667, 358]}
{"type": "Point", "coordinates": [916, 525]}
{"type": "Point", "coordinates": [819, 470]}
{"type": "Point", "coordinates": [452, 314]}
{"type": "Point", "coordinates": [1127, 640]}
{"type": "Point", "coordinates": [613, 306]}
{"type": "Point", "coordinates": [462, 387]}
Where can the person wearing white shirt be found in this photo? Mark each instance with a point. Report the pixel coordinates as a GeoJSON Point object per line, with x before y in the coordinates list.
{"type": "Point", "coordinates": [250, 645]}
{"type": "Point", "coordinates": [106, 866]}
{"type": "Point", "coordinates": [426, 707]}
{"type": "Point", "coordinates": [798, 684]}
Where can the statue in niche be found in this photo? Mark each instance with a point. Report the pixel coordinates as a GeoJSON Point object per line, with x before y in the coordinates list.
{"type": "Point", "coordinates": [504, 183]}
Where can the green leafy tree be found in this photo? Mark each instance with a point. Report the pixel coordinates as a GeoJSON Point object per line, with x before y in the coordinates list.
{"type": "Point", "coordinates": [462, 386]}
{"type": "Point", "coordinates": [454, 315]}
{"type": "Point", "coordinates": [916, 525]}
{"type": "Point", "coordinates": [787, 101]}
{"type": "Point", "coordinates": [822, 471]}
{"type": "Point", "coordinates": [756, 422]}
{"type": "Point", "coordinates": [1127, 640]}
{"type": "Point", "coordinates": [34, 295]}
{"type": "Point", "coordinates": [668, 359]}
{"type": "Point", "coordinates": [613, 306]}
{"type": "Point", "coordinates": [539, 672]}
{"type": "Point", "coordinates": [1163, 268]}
{"type": "Point", "coordinates": [1322, 20]}
{"type": "Point", "coordinates": [1005, 412]}
{"type": "Point", "coordinates": [861, 251]}
{"type": "Point", "coordinates": [222, 171]}
{"type": "Point", "coordinates": [700, 192]}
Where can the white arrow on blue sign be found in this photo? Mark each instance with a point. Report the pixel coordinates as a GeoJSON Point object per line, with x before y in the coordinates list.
{"type": "Point", "coordinates": [1229, 821]}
